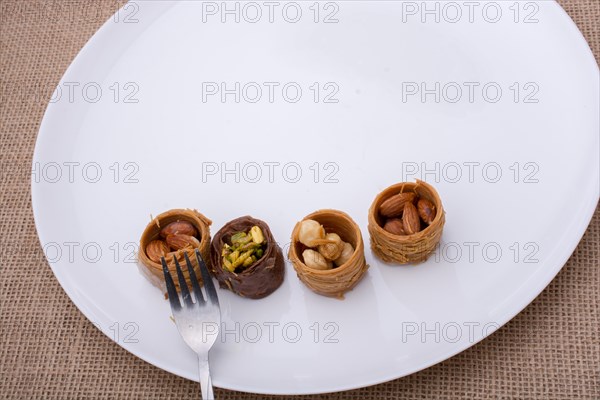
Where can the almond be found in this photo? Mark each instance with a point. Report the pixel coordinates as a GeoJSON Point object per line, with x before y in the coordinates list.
{"type": "Point", "coordinates": [426, 210]}
{"type": "Point", "coordinates": [394, 206]}
{"type": "Point", "coordinates": [410, 218]}
{"type": "Point", "coordinates": [178, 242]}
{"type": "Point", "coordinates": [178, 227]}
{"type": "Point", "coordinates": [156, 249]}
{"type": "Point", "coordinates": [394, 226]}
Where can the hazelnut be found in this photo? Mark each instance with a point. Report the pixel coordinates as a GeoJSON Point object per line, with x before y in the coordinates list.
{"type": "Point", "coordinates": [333, 249]}
{"type": "Point", "coordinates": [346, 254]}
{"type": "Point", "coordinates": [315, 260]}
{"type": "Point", "coordinates": [311, 233]}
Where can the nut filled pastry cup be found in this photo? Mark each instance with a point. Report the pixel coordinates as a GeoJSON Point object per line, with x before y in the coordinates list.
{"type": "Point", "coordinates": [406, 247]}
{"type": "Point", "coordinates": [345, 275]}
{"type": "Point", "coordinates": [259, 279]}
{"type": "Point", "coordinates": [166, 228]}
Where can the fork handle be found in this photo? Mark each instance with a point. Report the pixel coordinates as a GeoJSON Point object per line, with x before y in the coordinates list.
{"type": "Point", "coordinates": [205, 381]}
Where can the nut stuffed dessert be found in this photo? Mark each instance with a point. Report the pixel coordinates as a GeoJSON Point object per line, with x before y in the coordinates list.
{"type": "Point", "coordinates": [327, 252]}
{"type": "Point", "coordinates": [246, 259]}
{"type": "Point", "coordinates": [170, 235]}
{"type": "Point", "coordinates": [406, 221]}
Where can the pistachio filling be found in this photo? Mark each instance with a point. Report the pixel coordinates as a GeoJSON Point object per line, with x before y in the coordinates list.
{"type": "Point", "coordinates": [245, 249]}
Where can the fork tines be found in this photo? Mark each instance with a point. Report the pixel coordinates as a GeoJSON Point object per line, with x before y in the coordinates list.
{"type": "Point", "coordinates": [209, 286]}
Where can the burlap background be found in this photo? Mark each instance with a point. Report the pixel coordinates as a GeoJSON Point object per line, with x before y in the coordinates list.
{"type": "Point", "coordinates": [49, 350]}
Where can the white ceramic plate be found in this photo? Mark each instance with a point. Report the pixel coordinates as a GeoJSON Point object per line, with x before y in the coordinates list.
{"type": "Point", "coordinates": [145, 129]}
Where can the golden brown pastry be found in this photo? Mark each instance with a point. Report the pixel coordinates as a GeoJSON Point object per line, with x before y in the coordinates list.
{"type": "Point", "coordinates": [169, 235]}
{"type": "Point", "coordinates": [406, 221]}
{"type": "Point", "coordinates": [327, 252]}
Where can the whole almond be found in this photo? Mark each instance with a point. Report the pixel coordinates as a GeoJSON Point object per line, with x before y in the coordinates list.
{"type": "Point", "coordinates": [426, 210]}
{"type": "Point", "coordinates": [394, 206]}
{"type": "Point", "coordinates": [410, 218]}
{"type": "Point", "coordinates": [156, 249]}
{"type": "Point", "coordinates": [178, 242]}
{"type": "Point", "coordinates": [395, 226]}
{"type": "Point", "coordinates": [177, 228]}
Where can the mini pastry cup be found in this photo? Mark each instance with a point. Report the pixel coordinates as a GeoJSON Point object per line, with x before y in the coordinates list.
{"type": "Point", "coordinates": [404, 249]}
{"type": "Point", "coordinates": [339, 280]}
{"type": "Point", "coordinates": [154, 271]}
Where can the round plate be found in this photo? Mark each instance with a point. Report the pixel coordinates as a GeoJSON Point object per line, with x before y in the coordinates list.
{"type": "Point", "coordinates": [279, 110]}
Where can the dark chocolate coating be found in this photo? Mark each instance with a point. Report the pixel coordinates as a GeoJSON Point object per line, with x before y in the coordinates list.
{"type": "Point", "coordinates": [260, 279]}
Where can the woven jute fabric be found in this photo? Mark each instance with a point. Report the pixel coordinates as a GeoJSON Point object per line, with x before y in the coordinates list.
{"type": "Point", "coordinates": [49, 350]}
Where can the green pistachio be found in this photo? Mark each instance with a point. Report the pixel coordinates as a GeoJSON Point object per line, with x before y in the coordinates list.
{"type": "Point", "coordinates": [240, 260]}
{"type": "Point", "coordinates": [257, 235]}
{"type": "Point", "coordinates": [237, 237]}
{"type": "Point", "coordinates": [245, 249]}
{"type": "Point", "coordinates": [226, 250]}
{"type": "Point", "coordinates": [249, 246]}
{"type": "Point", "coordinates": [249, 261]}
{"type": "Point", "coordinates": [228, 266]}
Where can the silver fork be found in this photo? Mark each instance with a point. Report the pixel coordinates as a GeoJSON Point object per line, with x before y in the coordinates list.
{"type": "Point", "coordinates": [198, 322]}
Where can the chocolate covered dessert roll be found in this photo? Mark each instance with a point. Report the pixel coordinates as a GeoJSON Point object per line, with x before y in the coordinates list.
{"type": "Point", "coordinates": [246, 259]}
